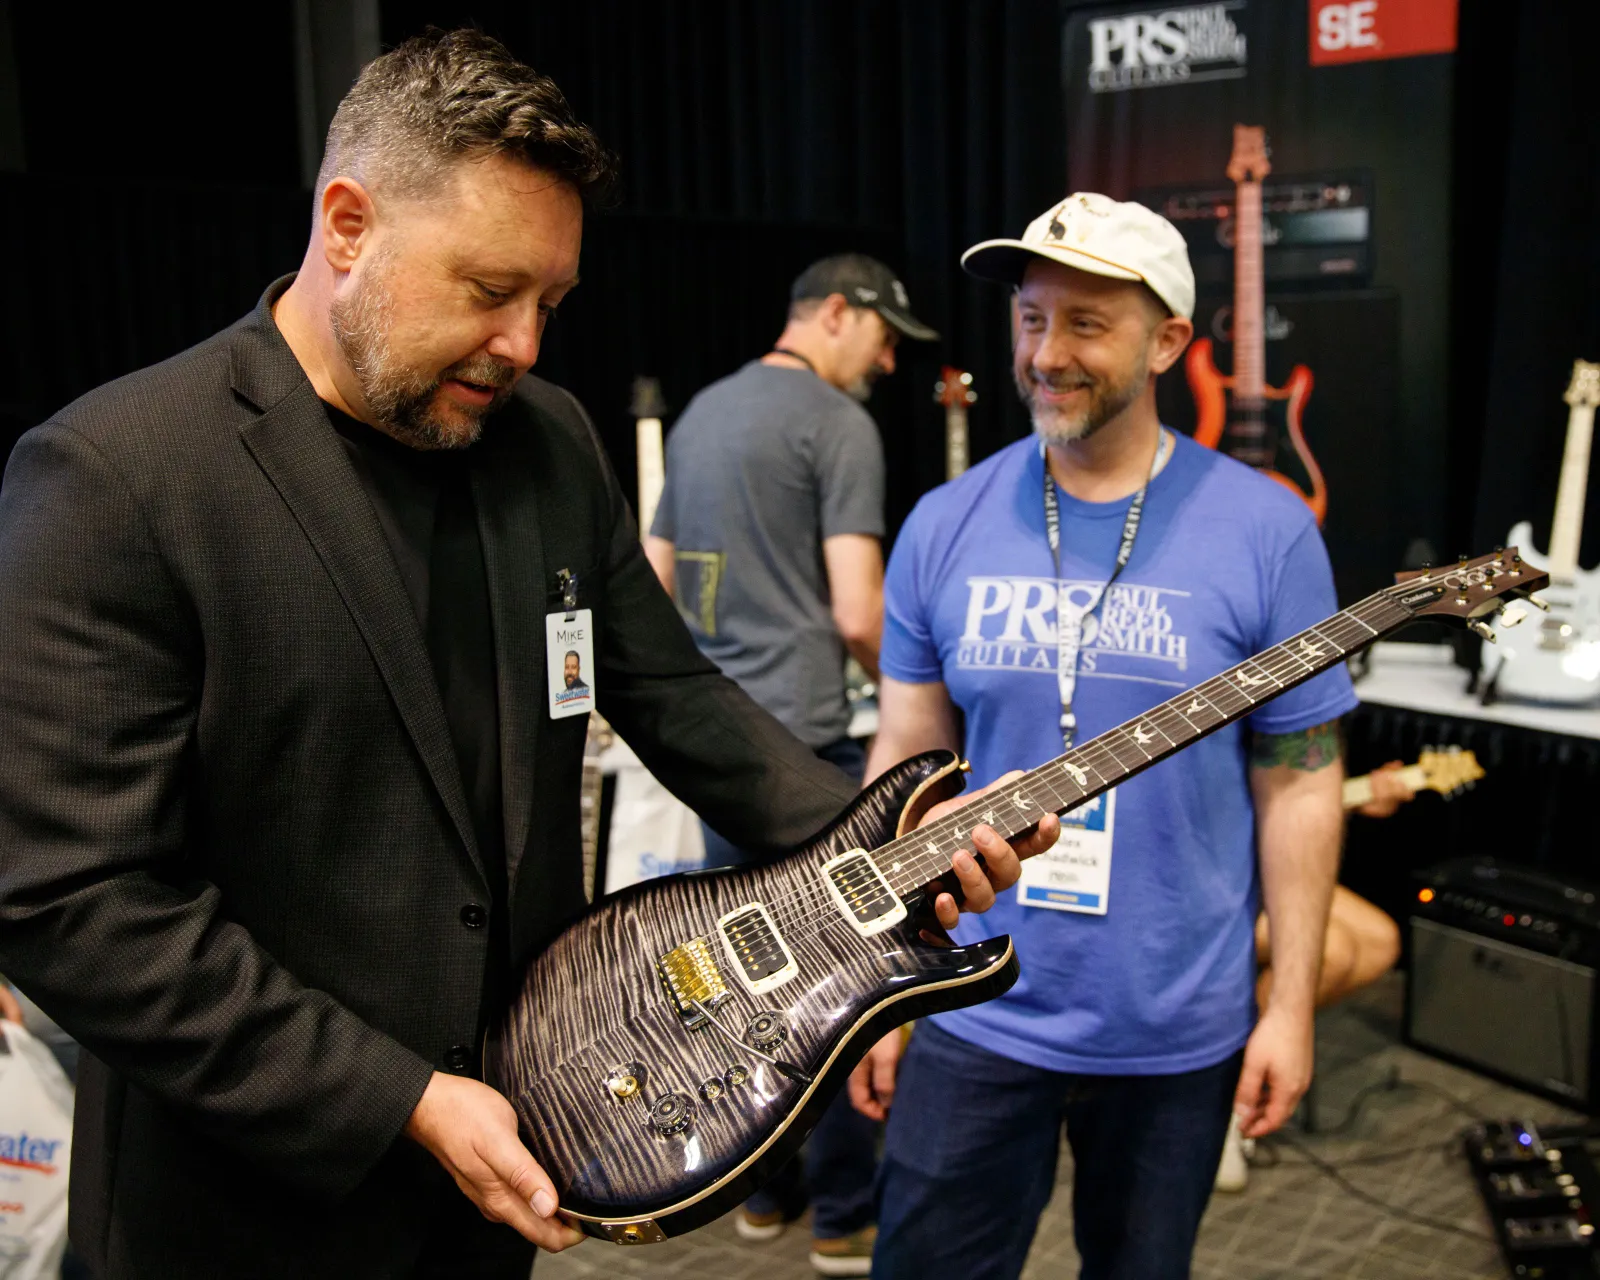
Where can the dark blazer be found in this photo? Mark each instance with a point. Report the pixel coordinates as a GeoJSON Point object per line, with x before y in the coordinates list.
{"type": "Point", "coordinates": [236, 860]}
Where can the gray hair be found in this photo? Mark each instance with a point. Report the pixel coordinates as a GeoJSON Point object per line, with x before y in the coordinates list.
{"type": "Point", "coordinates": [448, 96]}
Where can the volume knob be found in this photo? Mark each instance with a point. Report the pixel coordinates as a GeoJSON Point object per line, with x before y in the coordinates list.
{"type": "Point", "coordinates": [671, 1113]}
{"type": "Point", "coordinates": [766, 1031]}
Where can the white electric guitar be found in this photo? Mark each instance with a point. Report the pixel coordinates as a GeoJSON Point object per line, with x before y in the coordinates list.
{"type": "Point", "coordinates": [1558, 661]}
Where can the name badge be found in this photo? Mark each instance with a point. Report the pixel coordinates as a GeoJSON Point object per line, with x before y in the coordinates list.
{"type": "Point", "coordinates": [569, 662]}
{"type": "Point", "coordinates": [1075, 875]}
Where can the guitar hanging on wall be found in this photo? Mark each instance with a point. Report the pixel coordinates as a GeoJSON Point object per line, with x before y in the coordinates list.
{"type": "Point", "coordinates": [1241, 414]}
{"type": "Point", "coordinates": [954, 392]}
{"type": "Point", "coordinates": [1559, 660]}
{"type": "Point", "coordinates": [670, 1050]}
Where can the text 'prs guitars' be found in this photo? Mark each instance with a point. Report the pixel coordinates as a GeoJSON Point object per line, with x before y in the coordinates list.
{"type": "Point", "coordinates": [669, 1051]}
{"type": "Point", "coordinates": [1240, 414]}
{"type": "Point", "coordinates": [1558, 661]}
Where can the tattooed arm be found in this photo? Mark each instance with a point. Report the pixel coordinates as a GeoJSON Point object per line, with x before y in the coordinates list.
{"type": "Point", "coordinates": [1297, 780]}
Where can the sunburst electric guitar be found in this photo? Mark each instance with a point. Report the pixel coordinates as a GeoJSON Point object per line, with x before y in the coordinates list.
{"type": "Point", "coordinates": [954, 392]}
{"type": "Point", "coordinates": [672, 1048]}
{"type": "Point", "coordinates": [1241, 414]}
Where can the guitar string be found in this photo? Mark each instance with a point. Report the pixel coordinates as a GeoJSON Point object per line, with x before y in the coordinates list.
{"type": "Point", "coordinates": [798, 910]}
{"type": "Point", "coordinates": [1099, 751]}
{"type": "Point", "coordinates": [1281, 666]}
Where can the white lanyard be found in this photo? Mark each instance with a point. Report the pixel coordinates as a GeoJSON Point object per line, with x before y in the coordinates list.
{"type": "Point", "coordinates": [1069, 628]}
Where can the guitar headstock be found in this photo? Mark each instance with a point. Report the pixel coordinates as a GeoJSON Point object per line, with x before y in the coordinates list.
{"type": "Point", "coordinates": [648, 401]}
{"type": "Point", "coordinates": [1249, 162]}
{"type": "Point", "coordinates": [954, 388]}
{"type": "Point", "coordinates": [1470, 589]}
{"type": "Point", "coordinates": [1449, 770]}
{"type": "Point", "coordinates": [1584, 389]}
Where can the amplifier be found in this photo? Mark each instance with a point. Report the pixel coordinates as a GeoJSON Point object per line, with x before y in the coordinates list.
{"type": "Point", "coordinates": [1502, 975]}
{"type": "Point", "coordinates": [1317, 227]}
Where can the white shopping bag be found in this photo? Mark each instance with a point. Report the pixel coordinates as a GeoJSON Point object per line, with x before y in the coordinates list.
{"type": "Point", "coordinates": [35, 1152]}
{"type": "Point", "coordinates": [653, 833]}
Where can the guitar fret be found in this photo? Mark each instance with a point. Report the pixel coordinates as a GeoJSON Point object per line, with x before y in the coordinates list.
{"type": "Point", "coordinates": [1066, 782]}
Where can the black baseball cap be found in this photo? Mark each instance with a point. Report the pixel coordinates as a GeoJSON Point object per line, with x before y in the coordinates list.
{"type": "Point", "coordinates": [864, 282]}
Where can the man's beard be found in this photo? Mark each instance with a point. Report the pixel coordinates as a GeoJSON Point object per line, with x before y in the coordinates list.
{"type": "Point", "coordinates": [402, 400]}
{"type": "Point", "coordinates": [861, 389]}
{"type": "Point", "coordinates": [1057, 426]}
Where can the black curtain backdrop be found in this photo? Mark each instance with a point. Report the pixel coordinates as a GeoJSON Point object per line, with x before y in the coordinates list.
{"type": "Point", "coordinates": [160, 195]}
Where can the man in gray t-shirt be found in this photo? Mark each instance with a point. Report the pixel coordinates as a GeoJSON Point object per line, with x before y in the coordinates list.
{"type": "Point", "coordinates": [768, 535]}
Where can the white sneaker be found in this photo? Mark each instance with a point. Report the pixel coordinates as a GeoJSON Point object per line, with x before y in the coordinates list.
{"type": "Point", "coordinates": [759, 1226]}
{"type": "Point", "coordinates": [1233, 1173]}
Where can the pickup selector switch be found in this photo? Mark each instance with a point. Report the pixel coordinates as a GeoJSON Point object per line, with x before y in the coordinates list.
{"type": "Point", "coordinates": [671, 1113]}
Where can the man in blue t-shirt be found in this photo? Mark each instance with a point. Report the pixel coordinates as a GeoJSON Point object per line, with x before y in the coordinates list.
{"type": "Point", "coordinates": [1134, 1020]}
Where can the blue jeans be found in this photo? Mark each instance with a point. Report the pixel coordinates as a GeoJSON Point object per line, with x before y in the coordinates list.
{"type": "Point", "coordinates": [841, 1155]}
{"type": "Point", "coordinates": [969, 1163]}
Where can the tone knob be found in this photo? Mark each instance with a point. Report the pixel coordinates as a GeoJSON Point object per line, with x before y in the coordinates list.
{"type": "Point", "coordinates": [766, 1031]}
{"type": "Point", "coordinates": [671, 1113]}
{"type": "Point", "coordinates": [624, 1081]}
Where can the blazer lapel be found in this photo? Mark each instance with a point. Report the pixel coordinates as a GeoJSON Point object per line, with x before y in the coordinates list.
{"type": "Point", "coordinates": [513, 557]}
{"type": "Point", "coordinates": [295, 446]}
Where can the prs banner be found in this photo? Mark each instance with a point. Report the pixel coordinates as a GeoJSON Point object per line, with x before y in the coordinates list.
{"type": "Point", "coordinates": [1302, 148]}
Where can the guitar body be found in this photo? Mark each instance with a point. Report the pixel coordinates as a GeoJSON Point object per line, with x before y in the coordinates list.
{"type": "Point", "coordinates": [595, 1041]}
{"type": "Point", "coordinates": [1552, 657]}
{"type": "Point", "coordinates": [1255, 434]}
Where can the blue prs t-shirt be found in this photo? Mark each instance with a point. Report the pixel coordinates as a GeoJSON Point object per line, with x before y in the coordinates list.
{"type": "Point", "coordinates": [1227, 563]}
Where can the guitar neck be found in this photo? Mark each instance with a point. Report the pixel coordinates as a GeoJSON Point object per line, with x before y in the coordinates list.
{"type": "Point", "coordinates": [1069, 780]}
{"type": "Point", "coordinates": [652, 470]}
{"type": "Point", "coordinates": [1566, 532]}
{"type": "Point", "coordinates": [955, 441]}
{"type": "Point", "coordinates": [1358, 791]}
{"type": "Point", "coordinates": [1249, 303]}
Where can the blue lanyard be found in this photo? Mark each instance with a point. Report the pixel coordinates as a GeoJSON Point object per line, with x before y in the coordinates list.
{"type": "Point", "coordinates": [1069, 632]}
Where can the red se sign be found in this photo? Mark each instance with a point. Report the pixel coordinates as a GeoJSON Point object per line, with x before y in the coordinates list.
{"type": "Point", "coordinates": [1360, 30]}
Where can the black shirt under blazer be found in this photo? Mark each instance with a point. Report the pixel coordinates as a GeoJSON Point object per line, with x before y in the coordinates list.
{"type": "Point", "coordinates": [236, 860]}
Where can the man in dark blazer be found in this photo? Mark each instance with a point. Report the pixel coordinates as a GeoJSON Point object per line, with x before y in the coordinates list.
{"type": "Point", "coordinates": [282, 805]}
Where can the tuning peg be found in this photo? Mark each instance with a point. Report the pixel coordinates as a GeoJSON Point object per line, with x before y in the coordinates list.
{"type": "Point", "coordinates": [1482, 628]}
{"type": "Point", "coordinates": [1511, 614]}
{"type": "Point", "coordinates": [1537, 602]}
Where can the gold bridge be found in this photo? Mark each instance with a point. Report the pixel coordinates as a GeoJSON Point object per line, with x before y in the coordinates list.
{"type": "Point", "coordinates": [689, 974]}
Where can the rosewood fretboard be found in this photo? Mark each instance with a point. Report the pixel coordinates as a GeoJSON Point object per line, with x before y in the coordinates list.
{"type": "Point", "coordinates": [1084, 772]}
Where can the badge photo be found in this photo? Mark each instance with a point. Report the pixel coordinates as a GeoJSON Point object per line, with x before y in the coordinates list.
{"type": "Point", "coordinates": [569, 662]}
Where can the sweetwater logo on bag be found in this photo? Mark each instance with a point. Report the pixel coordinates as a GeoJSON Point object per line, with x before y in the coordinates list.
{"type": "Point", "coordinates": [1011, 626]}
{"type": "Point", "coordinates": [19, 1151]}
{"type": "Point", "coordinates": [1169, 46]}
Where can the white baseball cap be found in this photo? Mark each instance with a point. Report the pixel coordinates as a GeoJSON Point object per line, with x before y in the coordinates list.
{"type": "Point", "coordinates": [1095, 233]}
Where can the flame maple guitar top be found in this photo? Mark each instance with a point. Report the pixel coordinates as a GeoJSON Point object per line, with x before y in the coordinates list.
{"type": "Point", "coordinates": [601, 1067]}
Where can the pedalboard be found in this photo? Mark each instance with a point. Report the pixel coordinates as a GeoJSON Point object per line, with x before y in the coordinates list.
{"type": "Point", "coordinates": [1540, 1185]}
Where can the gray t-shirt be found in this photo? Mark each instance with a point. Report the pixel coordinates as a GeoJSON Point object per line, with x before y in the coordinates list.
{"type": "Point", "coordinates": [761, 467]}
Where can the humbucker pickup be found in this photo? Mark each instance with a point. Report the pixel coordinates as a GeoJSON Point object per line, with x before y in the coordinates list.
{"type": "Point", "coordinates": [759, 956]}
{"type": "Point", "coordinates": [862, 893]}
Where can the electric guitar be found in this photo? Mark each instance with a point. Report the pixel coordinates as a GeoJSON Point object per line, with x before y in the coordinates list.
{"type": "Point", "coordinates": [954, 391]}
{"type": "Point", "coordinates": [1559, 660]}
{"type": "Point", "coordinates": [598, 737]}
{"type": "Point", "coordinates": [1240, 414]}
{"type": "Point", "coordinates": [670, 1050]}
{"type": "Point", "coordinates": [1447, 772]}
